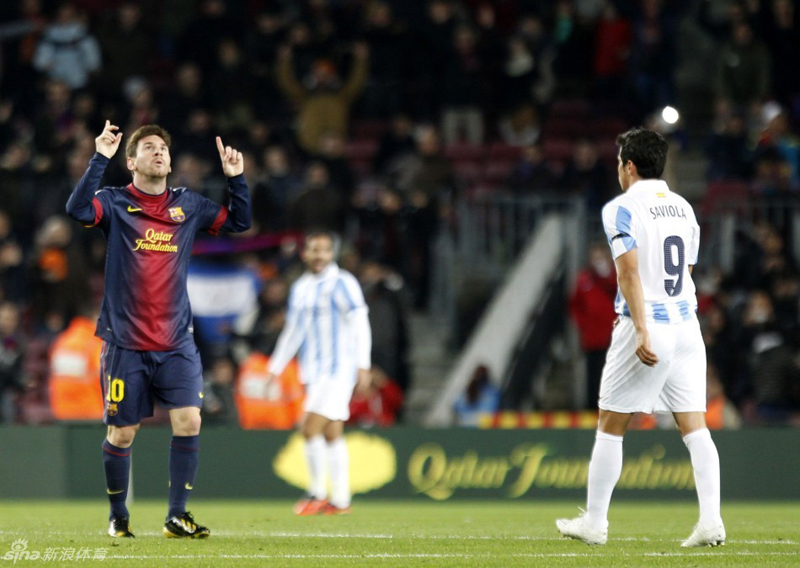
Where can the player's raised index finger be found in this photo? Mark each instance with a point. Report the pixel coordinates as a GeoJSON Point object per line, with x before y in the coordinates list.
{"type": "Point", "coordinates": [220, 147]}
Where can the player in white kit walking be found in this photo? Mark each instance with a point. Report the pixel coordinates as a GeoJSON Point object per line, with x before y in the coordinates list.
{"type": "Point", "coordinates": [328, 323]}
{"type": "Point", "coordinates": [657, 359]}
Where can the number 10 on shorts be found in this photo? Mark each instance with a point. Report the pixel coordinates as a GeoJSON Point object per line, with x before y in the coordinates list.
{"type": "Point", "coordinates": [116, 390]}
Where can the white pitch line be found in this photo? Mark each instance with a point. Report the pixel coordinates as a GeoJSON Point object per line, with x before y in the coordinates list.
{"type": "Point", "coordinates": [284, 534]}
{"type": "Point", "coordinates": [723, 553]}
{"type": "Point", "coordinates": [386, 536]}
{"type": "Point", "coordinates": [442, 555]}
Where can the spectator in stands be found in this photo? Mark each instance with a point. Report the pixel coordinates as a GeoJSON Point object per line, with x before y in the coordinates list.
{"type": "Point", "coordinates": [20, 39]}
{"type": "Point", "coordinates": [12, 274]}
{"type": "Point", "coordinates": [262, 330]}
{"type": "Point", "coordinates": [592, 308]}
{"type": "Point", "coordinates": [491, 49]}
{"type": "Point", "coordinates": [261, 47]}
{"type": "Point", "coordinates": [428, 182]}
{"type": "Point", "coordinates": [431, 48]}
{"type": "Point", "coordinates": [203, 34]}
{"type": "Point", "coordinates": [572, 37]}
{"type": "Point", "coordinates": [126, 46]}
{"type": "Point", "coordinates": [379, 405]}
{"type": "Point", "coordinates": [53, 124]}
{"type": "Point", "coordinates": [480, 397]}
{"type": "Point", "coordinates": [187, 94]}
{"type": "Point", "coordinates": [11, 350]}
{"type": "Point", "coordinates": [728, 150]}
{"type": "Point", "coordinates": [718, 336]}
{"type": "Point", "coordinates": [332, 154]}
{"type": "Point", "coordinates": [141, 107]}
{"type": "Point", "coordinates": [274, 191]}
{"type": "Point", "coordinates": [770, 363]}
{"type": "Point", "coordinates": [323, 103]}
{"type": "Point", "coordinates": [67, 51]}
{"type": "Point", "coordinates": [462, 90]}
{"type": "Point", "coordinates": [743, 70]}
{"type": "Point", "coordinates": [772, 175]}
{"type": "Point", "coordinates": [387, 40]}
{"type": "Point", "coordinates": [58, 279]}
{"type": "Point", "coordinates": [191, 171]}
{"type": "Point", "coordinates": [14, 165]}
{"type": "Point", "coordinates": [612, 50]}
{"type": "Point", "coordinates": [193, 136]}
{"type": "Point", "coordinates": [720, 413]}
{"type": "Point", "coordinates": [528, 69]}
{"type": "Point", "coordinates": [383, 228]}
{"type": "Point", "coordinates": [532, 173]}
{"type": "Point", "coordinates": [388, 320]}
{"type": "Point", "coordinates": [232, 104]}
{"type": "Point", "coordinates": [784, 292]}
{"type": "Point", "coordinates": [586, 175]}
{"type": "Point", "coordinates": [426, 175]}
{"type": "Point", "coordinates": [780, 32]}
{"type": "Point", "coordinates": [652, 61]}
{"type": "Point", "coordinates": [778, 136]}
{"type": "Point", "coordinates": [521, 127]}
{"type": "Point", "coordinates": [218, 401]}
{"type": "Point", "coordinates": [396, 142]}
{"type": "Point", "coordinates": [318, 204]}
{"type": "Point", "coordinates": [73, 384]}
{"type": "Point", "coordinates": [263, 403]}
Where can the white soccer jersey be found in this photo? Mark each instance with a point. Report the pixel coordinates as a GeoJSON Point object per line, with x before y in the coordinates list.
{"type": "Point", "coordinates": [662, 226]}
{"type": "Point", "coordinates": [328, 323]}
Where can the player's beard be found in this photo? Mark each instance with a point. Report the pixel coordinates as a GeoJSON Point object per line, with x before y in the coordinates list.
{"type": "Point", "coordinates": [155, 172]}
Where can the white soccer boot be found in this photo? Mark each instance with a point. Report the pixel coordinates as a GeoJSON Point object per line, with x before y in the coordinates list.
{"type": "Point", "coordinates": [709, 535]}
{"type": "Point", "coordinates": [579, 529]}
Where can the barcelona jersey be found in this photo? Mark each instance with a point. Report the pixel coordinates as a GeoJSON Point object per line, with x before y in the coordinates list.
{"type": "Point", "coordinates": [145, 303]}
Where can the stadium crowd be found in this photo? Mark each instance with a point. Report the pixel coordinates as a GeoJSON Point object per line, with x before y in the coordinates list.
{"type": "Point", "coordinates": [370, 117]}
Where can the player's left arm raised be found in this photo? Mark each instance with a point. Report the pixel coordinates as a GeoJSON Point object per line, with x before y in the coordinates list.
{"type": "Point", "coordinates": [237, 218]}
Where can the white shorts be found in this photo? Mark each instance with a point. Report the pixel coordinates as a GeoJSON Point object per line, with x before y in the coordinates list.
{"type": "Point", "coordinates": [676, 384]}
{"type": "Point", "coordinates": [329, 398]}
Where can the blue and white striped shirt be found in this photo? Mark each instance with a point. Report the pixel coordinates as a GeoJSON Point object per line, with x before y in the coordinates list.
{"type": "Point", "coordinates": [662, 226]}
{"type": "Point", "coordinates": [328, 323]}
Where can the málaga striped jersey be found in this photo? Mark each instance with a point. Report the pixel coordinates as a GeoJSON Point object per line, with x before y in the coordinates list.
{"type": "Point", "coordinates": [663, 228]}
{"type": "Point", "coordinates": [328, 324]}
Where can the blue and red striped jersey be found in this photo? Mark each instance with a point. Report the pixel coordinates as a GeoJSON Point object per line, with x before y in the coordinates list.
{"type": "Point", "coordinates": [145, 302]}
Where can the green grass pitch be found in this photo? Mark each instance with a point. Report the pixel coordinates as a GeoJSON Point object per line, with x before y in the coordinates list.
{"type": "Point", "coordinates": [393, 533]}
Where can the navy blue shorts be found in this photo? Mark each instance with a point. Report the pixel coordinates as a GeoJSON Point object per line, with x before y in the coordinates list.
{"type": "Point", "coordinates": [133, 381]}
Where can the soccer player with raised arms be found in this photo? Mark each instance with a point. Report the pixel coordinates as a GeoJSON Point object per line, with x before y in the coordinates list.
{"type": "Point", "coordinates": [657, 359]}
{"type": "Point", "coordinates": [148, 353]}
{"type": "Point", "coordinates": [328, 323]}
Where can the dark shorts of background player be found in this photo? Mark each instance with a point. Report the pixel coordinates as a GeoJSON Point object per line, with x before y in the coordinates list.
{"type": "Point", "coordinates": [133, 381]}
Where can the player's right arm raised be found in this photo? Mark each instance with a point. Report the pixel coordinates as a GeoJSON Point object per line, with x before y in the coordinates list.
{"type": "Point", "coordinates": [82, 205]}
{"type": "Point", "coordinates": [107, 143]}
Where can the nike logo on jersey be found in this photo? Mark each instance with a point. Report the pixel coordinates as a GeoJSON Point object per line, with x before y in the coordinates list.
{"type": "Point", "coordinates": [133, 209]}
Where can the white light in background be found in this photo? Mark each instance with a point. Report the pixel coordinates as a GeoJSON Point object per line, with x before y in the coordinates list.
{"type": "Point", "coordinates": [670, 115]}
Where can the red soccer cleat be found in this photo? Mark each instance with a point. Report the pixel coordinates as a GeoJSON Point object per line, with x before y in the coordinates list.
{"type": "Point", "coordinates": [308, 506]}
{"type": "Point", "coordinates": [330, 509]}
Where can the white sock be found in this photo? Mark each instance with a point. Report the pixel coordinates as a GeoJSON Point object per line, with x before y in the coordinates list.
{"type": "Point", "coordinates": [339, 460]}
{"type": "Point", "coordinates": [705, 462]}
{"type": "Point", "coordinates": [317, 471]}
{"type": "Point", "coordinates": [605, 468]}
